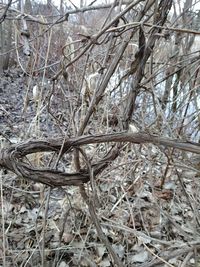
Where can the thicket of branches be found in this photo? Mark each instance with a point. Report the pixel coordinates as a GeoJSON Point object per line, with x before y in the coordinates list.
{"type": "Point", "coordinates": [109, 103]}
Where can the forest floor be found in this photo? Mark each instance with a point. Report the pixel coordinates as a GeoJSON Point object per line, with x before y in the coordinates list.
{"type": "Point", "coordinates": [146, 224]}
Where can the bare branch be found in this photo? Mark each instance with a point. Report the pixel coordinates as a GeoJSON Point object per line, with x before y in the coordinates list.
{"type": "Point", "coordinates": [11, 158]}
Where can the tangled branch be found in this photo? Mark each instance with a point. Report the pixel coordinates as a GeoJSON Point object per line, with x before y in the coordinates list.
{"type": "Point", "coordinates": [12, 158]}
